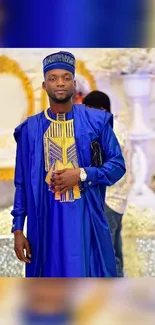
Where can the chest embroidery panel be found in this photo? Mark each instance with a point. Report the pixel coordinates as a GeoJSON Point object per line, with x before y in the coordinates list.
{"type": "Point", "coordinates": [60, 153]}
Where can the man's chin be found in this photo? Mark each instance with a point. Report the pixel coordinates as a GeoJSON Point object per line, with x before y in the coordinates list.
{"type": "Point", "coordinates": [61, 99]}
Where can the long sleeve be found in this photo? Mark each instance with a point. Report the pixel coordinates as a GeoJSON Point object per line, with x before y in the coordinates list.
{"type": "Point", "coordinates": [19, 211]}
{"type": "Point", "coordinates": [113, 167]}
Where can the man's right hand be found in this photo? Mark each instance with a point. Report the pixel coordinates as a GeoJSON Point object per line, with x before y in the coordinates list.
{"type": "Point", "coordinates": [21, 244]}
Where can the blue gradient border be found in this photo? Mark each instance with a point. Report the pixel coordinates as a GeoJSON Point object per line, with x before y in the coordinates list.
{"type": "Point", "coordinates": [87, 23]}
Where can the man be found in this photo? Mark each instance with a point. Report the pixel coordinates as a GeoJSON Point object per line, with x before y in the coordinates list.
{"type": "Point", "coordinates": [116, 195]}
{"type": "Point", "coordinates": [56, 186]}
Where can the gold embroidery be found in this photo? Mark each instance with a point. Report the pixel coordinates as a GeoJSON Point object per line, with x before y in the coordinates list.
{"type": "Point", "coordinates": [60, 153]}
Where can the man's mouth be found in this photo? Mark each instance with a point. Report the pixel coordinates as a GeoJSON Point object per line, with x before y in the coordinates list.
{"type": "Point", "coordinates": [60, 91]}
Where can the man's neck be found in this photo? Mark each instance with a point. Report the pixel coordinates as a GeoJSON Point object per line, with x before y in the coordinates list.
{"type": "Point", "coordinates": [60, 108]}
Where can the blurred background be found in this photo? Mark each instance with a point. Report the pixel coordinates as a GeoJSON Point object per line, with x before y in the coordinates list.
{"type": "Point", "coordinates": [127, 76]}
{"type": "Point", "coordinates": [105, 23]}
{"type": "Point", "coordinates": [79, 302]}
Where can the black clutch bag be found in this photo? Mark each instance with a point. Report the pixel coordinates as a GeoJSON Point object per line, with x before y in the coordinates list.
{"type": "Point", "coordinates": [97, 154]}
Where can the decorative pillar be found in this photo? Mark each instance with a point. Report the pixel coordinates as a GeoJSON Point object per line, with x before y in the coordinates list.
{"type": "Point", "coordinates": [137, 88]}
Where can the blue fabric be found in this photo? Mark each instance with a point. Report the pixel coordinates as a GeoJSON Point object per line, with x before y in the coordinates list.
{"type": "Point", "coordinates": [77, 24]}
{"type": "Point", "coordinates": [59, 65]}
{"type": "Point", "coordinates": [71, 239]}
{"type": "Point", "coordinates": [61, 60]}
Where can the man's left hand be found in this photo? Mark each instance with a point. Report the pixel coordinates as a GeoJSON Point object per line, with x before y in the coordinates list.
{"type": "Point", "coordinates": [64, 180]}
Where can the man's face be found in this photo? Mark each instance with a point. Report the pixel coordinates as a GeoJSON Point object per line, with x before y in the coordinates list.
{"type": "Point", "coordinates": [59, 85]}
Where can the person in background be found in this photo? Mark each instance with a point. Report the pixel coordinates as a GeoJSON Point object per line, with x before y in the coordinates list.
{"type": "Point", "coordinates": [116, 195]}
{"type": "Point", "coordinates": [78, 98]}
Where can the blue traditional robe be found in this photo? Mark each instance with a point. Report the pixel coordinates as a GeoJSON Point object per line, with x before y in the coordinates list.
{"type": "Point", "coordinates": [67, 239]}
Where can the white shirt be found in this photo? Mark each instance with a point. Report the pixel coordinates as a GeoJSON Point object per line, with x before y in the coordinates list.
{"type": "Point", "coordinates": [116, 195]}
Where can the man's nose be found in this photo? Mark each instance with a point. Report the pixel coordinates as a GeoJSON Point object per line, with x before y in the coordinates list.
{"type": "Point", "coordinates": [60, 82]}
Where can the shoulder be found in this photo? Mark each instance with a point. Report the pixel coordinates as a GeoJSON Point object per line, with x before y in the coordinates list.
{"type": "Point", "coordinates": [22, 129]}
{"type": "Point", "coordinates": [96, 117]}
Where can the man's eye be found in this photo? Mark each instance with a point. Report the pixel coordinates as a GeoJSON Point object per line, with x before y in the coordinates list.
{"type": "Point", "coordinates": [67, 78]}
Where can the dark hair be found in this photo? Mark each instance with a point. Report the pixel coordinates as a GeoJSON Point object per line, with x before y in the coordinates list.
{"type": "Point", "coordinates": [98, 99]}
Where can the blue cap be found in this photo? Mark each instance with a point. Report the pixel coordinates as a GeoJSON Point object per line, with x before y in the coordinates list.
{"type": "Point", "coordinates": [59, 60]}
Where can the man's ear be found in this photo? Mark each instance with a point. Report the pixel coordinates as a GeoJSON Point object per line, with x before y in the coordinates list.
{"type": "Point", "coordinates": [44, 85]}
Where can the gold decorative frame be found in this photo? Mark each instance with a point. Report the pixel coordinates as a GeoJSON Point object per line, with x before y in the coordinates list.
{"type": "Point", "coordinates": [10, 66]}
{"type": "Point", "coordinates": [81, 70]}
